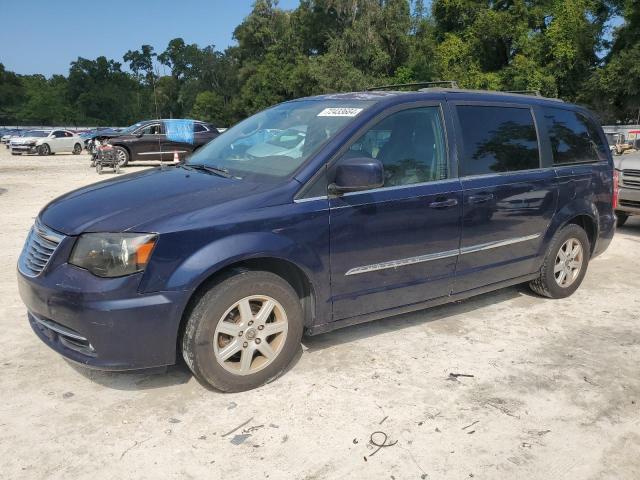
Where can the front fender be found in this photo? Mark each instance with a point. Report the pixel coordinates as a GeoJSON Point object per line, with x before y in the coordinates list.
{"type": "Point", "coordinates": [222, 252]}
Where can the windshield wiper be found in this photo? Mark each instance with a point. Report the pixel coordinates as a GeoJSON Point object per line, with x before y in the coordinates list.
{"type": "Point", "coordinates": [221, 172]}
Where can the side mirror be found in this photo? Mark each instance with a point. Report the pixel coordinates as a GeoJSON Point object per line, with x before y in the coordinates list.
{"type": "Point", "coordinates": [356, 174]}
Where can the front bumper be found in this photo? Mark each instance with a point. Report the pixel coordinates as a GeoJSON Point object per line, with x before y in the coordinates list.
{"type": "Point", "coordinates": [103, 323]}
{"type": "Point", "coordinates": [24, 148]}
{"type": "Point", "coordinates": [629, 201]}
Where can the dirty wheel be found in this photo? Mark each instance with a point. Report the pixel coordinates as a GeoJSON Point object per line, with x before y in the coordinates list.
{"type": "Point", "coordinates": [44, 149]}
{"type": "Point", "coordinates": [243, 331]}
{"type": "Point", "coordinates": [77, 149]}
{"type": "Point", "coordinates": [565, 264]}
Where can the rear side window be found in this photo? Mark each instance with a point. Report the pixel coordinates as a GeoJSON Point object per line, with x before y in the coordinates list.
{"type": "Point", "coordinates": [199, 128]}
{"type": "Point", "coordinates": [497, 139]}
{"type": "Point", "coordinates": [574, 139]}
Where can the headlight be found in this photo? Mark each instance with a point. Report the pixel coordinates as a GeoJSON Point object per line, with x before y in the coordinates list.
{"type": "Point", "coordinates": [113, 254]}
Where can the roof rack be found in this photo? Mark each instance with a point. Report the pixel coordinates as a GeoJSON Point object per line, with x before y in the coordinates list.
{"type": "Point", "coordinates": [448, 83]}
{"type": "Point", "coordinates": [535, 93]}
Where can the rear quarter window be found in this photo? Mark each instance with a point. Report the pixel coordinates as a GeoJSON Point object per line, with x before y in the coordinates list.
{"type": "Point", "coordinates": [574, 138]}
{"type": "Point", "coordinates": [497, 139]}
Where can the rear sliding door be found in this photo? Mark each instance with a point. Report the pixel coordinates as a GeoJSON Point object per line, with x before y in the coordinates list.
{"type": "Point", "coordinates": [509, 196]}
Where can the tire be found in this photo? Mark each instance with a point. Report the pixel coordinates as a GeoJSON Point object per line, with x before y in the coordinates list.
{"type": "Point", "coordinates": [15, 153]}
{"type": "Point", "coordinates": [548, 285]}
{"type": "Point", "coordinates": [77, 149]}
{"type": "Point", "coordinates": [123, 156]}
{"type": "Point", "coordinates": [44, 149]}
{"type": "Point", "coordinates": [203, 342]}
{"type": "Point", "coordinates": [621, 219]}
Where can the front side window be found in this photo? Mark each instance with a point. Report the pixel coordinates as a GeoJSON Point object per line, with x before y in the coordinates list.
{"type": "Point", "coordinates": [573, 138]}
{"type": "Point", "coordinates": [58, 134]}
{"type": "Point", "coordinates": [410, 144]}
{"type": "Point", "coordinates": [497, 139]}
{"type": "Point", "coordinates": [273, 143]}
{"type": "Point", "coordinates": [153, 129]}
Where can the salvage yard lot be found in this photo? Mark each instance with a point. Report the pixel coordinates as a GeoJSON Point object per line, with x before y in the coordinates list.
{"type": "Point", "coordinates": [554, 390]}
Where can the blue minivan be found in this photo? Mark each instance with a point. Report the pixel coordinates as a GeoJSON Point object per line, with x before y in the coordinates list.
{"type": "Point", "coordinates": [387, 202]}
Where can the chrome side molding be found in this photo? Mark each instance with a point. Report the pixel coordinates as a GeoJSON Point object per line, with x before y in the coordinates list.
{"type": "Point", "coordinates": [440, 255]}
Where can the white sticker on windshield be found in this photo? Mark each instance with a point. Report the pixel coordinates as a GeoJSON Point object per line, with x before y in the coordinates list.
{"type": "Point", "coordinates": [340, 112]}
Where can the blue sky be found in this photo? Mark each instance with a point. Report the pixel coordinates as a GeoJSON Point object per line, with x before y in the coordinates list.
{"type": "Point", "coordinates": [41, 36]}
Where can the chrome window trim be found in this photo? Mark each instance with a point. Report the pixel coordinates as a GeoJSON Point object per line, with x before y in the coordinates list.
{"type": "Point", "coordinates": [439, 255]}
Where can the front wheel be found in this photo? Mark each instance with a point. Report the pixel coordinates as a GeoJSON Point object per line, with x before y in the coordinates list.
{"type": "Point", "coordinates": [565, 264]}
{"type": "Point", "coordinates": [44, 149]}
{"type": "Point", "coordinates": [122, 155]}
{"type": "Point", "coordinates": [77, 149]}
{"type": "Point", "coordinates": [243, 332]}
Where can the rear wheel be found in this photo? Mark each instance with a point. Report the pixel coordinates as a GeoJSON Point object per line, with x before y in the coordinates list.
{"type": "Point", "coordinates": [123, 156]}
{"type": "Point", "coordinates": [243, 332]}
{"type": "Point", "coordinates": [565, 264]}
{"type": "Point", "coordinates": [621, 218]}
{"type": "Point", "coordinates": [77, 149]}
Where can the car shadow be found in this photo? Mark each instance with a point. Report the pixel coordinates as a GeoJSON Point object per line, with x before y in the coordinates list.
{"type": "Point", "coordinates": [148, 379]}
{"type": "Point", "coordinates": [419, 317]}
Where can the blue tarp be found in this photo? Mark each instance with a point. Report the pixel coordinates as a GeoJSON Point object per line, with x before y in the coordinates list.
{"type": "Point", "coordinates": [179, 130]}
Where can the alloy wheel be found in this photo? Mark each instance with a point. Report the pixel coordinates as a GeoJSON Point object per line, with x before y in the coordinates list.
{"type": "Point", "coordinates": [568, 262]}
{"type": "Point", "coordinates": [250, 335]}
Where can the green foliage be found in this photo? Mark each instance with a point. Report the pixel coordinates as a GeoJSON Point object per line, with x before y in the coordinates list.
{"type": "Point", "coordinates": [559, 47]}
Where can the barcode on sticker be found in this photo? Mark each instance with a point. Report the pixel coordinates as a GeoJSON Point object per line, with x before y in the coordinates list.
{"type": "Point", "coordinates": [339, 112]}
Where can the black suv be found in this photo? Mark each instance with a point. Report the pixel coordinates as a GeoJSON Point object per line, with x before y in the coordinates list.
{"type": "Point", "coordinates": [161, 139]}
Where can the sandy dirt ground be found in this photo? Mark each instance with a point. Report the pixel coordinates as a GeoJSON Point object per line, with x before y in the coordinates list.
{"type": "Point", "coordinates": [554, 391]}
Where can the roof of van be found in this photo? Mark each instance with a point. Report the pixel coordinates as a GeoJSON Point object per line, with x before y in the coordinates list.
{"type": "Point", "coordinates": [437, 92]}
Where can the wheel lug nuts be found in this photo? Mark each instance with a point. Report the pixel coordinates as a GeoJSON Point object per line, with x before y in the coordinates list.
{"type": "Point", "coordinates": [245, 344]}
{"type": "Point", "coordinates": [250, 322]}
{"type": "Point", "coordinates": [258, 340]}
{"type": "Point", "coordinates": [260, 327]}
{"type": "Point", "coordinates": [240, 334]}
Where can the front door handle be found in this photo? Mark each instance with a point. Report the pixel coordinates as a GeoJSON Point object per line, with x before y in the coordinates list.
{"type": "Point", "coordinates": [450, 202]}
{"type": "Point", "coordinates": [480, 198]}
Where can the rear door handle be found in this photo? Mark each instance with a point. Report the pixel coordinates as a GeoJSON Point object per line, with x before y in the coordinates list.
{"type": "Point", "coordinates": [450, 202]}
{"type": "Point", "coordinates": [480, 198]}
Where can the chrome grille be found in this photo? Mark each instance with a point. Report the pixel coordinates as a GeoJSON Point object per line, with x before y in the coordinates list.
{"type": "Point", "coordinates": [630, 178]}
{"type": "Point", "coordinates": [41, 243]}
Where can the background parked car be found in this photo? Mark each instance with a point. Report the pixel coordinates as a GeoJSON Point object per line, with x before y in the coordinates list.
{"type": "Point", "coordinates": [9, 134]}
{"type": "Point", "coordinates": [628, 168]}
{"type": "Point", "coordinates": [157, 139]}
{"type": "Point", "coordinates": [46, 142]}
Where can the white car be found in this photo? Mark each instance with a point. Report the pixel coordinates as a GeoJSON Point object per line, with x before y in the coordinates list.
{"type": "Point", "coordinates": [46, 142]}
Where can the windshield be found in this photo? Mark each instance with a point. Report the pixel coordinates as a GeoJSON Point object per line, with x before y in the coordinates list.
{"type": "Point", "coordinates": [37, 133]}
{"type": "Point", "coordinates": [275, 142]}
{"type": "Point", "coordinates": [131, 128]}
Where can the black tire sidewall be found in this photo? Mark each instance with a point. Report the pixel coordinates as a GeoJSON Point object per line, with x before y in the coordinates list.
{"type": "Point", "coordinates": [569, 231]}
{"type": "Point", "coordinates": [199, 334]}
{"type": "Point", "coordinates": [43, 147]}
{"type": "Point", "coordinates": [74, 149]}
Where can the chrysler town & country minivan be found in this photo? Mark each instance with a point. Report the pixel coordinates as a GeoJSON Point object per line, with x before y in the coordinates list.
{"type": "Point", "coordinates": [395, 201]}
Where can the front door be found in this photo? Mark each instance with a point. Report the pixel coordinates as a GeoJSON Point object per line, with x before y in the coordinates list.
{"type": "Point", "coordinates": [397, 245]}
{"type": "Point", "coordinates": [149, 143]}
{"type": "Point", "coordinates": [509, 199]}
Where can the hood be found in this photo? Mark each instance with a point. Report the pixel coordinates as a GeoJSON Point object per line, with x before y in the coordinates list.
{"type": "Point", "coordinates": [630, 161]}
{"type": "Point", "coordinates": [143, 199]}
{"type": "Point", "coordinates": [25, 139]}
